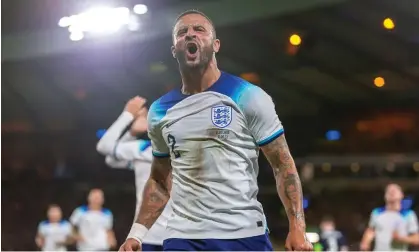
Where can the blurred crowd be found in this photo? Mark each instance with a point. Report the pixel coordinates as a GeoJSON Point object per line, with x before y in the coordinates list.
{"type": "Point", "coordinates": [28, 191]}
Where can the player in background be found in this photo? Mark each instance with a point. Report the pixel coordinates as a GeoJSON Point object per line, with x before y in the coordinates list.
{"type": "Point", "coordinates": [133, 153]}
{"type": "Point", "coordinates": [55, 233]}
{"type": "Point", "coordinates": [392, 227]}
{"type": "Point", "coordinates": [93, 224]}
{"type": "Point", "coordinates": [208, 134]}
{"type": "Point", "coordinates": [330, 238]}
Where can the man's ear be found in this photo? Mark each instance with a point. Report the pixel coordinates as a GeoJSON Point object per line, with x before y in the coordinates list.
{"type": "Point", "coordinates": [216, 45]}
{"type": "Point", "coordinates": [173, 51]}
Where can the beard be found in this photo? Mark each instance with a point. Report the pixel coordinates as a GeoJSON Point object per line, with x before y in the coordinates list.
{"type": "Point", "coordinates": [202, 60]}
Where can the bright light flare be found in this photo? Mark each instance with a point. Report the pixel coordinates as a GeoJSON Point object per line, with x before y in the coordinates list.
{"type": "Point", "coordinates": [295, 40]}
{"type": "Point", "coordinates": [388, 23]}
{"type": "Point", "coordinates": [76, 36]}
{"type": "Point", "coordinates": [102, 20]}
{"type": "Point", "coordinates": [312, 237]}
{"type": "Point", "coordinates": [99, 20]}
{"type": "Point", "coordinates": [379, 81]}
{"type": "Point", "coordinates": [133, 24]}
{"type": "Point", "coordinates": [140, 9]}
{"type": "Point", "coordinates": [64, 22]}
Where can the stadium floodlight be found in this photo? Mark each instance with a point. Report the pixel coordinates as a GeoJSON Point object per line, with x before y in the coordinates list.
{"type": "Point", "coordinates": [64, 22]}
{"type": "Point", "coordinates": [133, 25]}
{"type": "Point", "coordinates": [102, 20]}
{"type": "Point", "coordinates": [76, 36]}
{"type": "Point", "coordinates": [99, 20]}
{"type": "Point", "coordinates": [140, 9]}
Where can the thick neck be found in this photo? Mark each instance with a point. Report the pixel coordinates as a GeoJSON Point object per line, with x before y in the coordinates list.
{"type": "Point", "coordinates": [198, 80]}
{"type": "Point", "coordinates": [394, 206]}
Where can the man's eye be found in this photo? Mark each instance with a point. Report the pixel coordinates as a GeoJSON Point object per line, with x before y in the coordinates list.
{"type": "Point", "coordinates": [181, 32]}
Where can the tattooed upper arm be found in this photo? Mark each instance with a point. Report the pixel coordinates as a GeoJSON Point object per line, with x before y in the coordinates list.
{"type": "Point", "coordinates": [161, 169]}
{"type": "Point", "coordinates": [156, 192]}
{"type": "Point", "coordinates": [278, 155]}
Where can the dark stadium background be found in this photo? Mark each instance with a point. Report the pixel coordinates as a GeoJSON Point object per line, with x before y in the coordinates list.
{"type": "Point", "coordinates": [348, 136]}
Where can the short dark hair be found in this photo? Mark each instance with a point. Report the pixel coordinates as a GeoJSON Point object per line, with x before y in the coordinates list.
{"type": "Point", "coordinates": [192, 11]}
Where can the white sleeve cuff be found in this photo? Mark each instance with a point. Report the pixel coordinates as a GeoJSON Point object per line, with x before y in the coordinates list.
{"type": "Point", "coordinates": [127, 116]}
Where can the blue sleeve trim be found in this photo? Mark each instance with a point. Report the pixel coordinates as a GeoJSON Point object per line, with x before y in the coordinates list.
{"type": "Point", "coordinates": [144, 144]}
{"type": "Point", "coordinates": [160, 155]}
{"type": "Point", "coordinates": [271, 138]}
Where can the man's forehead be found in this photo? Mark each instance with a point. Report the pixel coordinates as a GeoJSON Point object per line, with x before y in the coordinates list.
{"type": "Point", "coordinates": [192, 19]}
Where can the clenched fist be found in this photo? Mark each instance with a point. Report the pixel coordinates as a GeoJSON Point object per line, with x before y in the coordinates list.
{"type": "Point", "coordinates": [135, 105]}
{"type": "Point", "coordinates": [130, 245]}
{"type": "Point", "coordinates": [140, 124]}
{"type": "Point", "coordinates": [297, 241]}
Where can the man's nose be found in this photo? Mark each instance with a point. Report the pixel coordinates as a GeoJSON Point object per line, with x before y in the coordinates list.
{"type": "Point", "coordinates": [190, 35]}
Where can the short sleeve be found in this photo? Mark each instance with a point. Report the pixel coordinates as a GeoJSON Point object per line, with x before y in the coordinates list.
{"type": "Point", "coordinates": [373, 220]}
{"type": "Point", "coordinates": [132, 150]}
{"type": "Point", "coordinates": [158, 144]}
{"type": "Point", "coordinates": [412, 223]}
{"type": "Point", "coordinates": [109, 220]}
{"type": "Point", "coordinates": [41, 228]}
{"type": "Point", "coordinates": [75, 216]}
{"type": "Point", "coordinates": [261, 116]}
{"type": "Point", "coordinates": [68, 228]}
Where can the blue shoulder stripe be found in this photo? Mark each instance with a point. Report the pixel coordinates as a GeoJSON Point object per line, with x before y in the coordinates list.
{"type": "Point", "coordinates": [378, 210]}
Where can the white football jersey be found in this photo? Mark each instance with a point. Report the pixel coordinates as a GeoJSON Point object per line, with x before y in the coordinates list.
{"type": "Point", "coordinates": [55, 233]}
{"type": "Point", "coordinates": [130, 153]}
{"type": "Point", "coordinates": [93, 227]}
{"type": "Point", "coordinates": [385, 223]}
{"type": "Point", "coordinates": [213, 140]}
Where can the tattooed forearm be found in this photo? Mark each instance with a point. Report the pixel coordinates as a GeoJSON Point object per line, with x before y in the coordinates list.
{"type": "Point", "coordinates": [287, 180]}
{"type": "Point", "coordinates": [156, 193]}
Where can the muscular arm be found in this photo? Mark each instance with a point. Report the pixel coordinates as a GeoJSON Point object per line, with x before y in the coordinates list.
{"type": "Point", "coordinates": [156, 192]}
{"type": "Point", "coordinates": [287, 180]}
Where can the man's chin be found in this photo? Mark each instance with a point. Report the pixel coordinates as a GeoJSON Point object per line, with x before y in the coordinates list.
{"type": "Point", "coordinates": [193, 64]}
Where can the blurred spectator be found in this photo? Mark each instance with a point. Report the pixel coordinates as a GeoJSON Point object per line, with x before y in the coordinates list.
{"type": "Point", "coordinates": [55, 233]}
{"type": "Point", "coordinates": [330, 238]}
{"type": "Point", "coordinates": [391, 226]}
{"type": "Point", "coordinates": [93, 224]}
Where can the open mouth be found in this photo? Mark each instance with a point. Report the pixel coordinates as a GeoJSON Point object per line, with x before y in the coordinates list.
{"type": "Point", "coordinates": [192, 48]}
